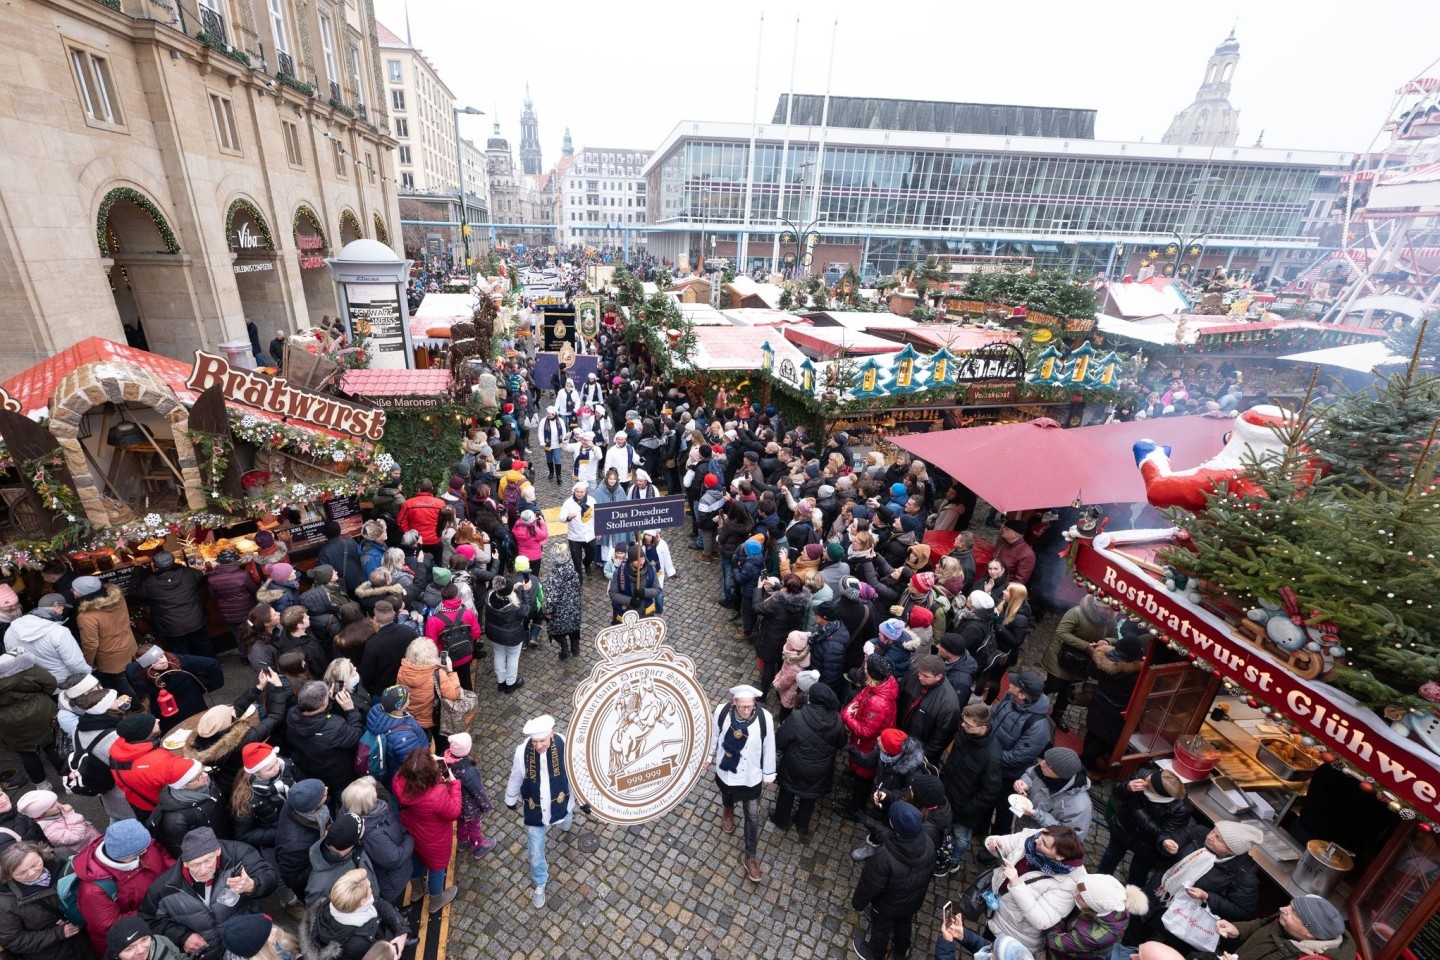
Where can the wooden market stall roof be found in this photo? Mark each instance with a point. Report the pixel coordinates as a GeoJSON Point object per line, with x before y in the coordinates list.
{"type": "Point", "coordinates": [738, 348]}
{"type": "Point", "coordinates": [395, 383]}
{"type": "Point", "coordinates": [828, 342]}
{"type": "Point", "coordinates": [33, 388]}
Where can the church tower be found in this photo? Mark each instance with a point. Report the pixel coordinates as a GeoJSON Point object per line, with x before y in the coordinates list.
{"type": "Point", "coordinates": [1211, 120]}
{"type": "Point", "coordinates": [567, 148]}
{"type": "Point", "coordinates": [529, 137]}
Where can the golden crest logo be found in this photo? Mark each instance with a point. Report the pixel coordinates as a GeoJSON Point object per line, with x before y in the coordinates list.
{"type": "Point", "coordinates": [641, 725]}
{"type": "Point", "coordinates": [587, 312]}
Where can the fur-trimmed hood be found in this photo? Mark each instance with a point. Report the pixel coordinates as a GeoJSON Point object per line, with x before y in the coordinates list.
{"type": "Point", "coordinates": [365, 591]}
{"type": "Point", "coordinates": [15, 663]}
{"type": "Point", "coordinates": [912, 757]}
{"type": "Point", "coordinates": [227, 742]}
{"type": "Point", "coordinates": [110, 597]}
{"type": "Point", "coordinates": [310, 947]}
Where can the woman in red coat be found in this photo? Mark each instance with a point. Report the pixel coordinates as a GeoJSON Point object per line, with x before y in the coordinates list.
{"type": "Point", "coordinates": [429, 808]}
{"type": "Point", "coordinates": [866, 715]}
{"type": "Point", "coordinates": [115, 873]}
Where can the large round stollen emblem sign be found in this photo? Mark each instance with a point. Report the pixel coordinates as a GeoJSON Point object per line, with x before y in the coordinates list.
{"type": "Point", "coordinates": [640, 729]}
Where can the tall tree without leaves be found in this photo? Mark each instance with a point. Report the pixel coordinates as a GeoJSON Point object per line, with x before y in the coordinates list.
{"type": "Point", "coordinates": [1358, 549]}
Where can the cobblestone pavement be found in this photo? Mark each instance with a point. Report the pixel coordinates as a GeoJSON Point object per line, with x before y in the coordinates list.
{"type": "Point", "coordinates": [674, 887]}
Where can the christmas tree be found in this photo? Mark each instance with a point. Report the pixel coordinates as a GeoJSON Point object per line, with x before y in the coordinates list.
{"type": "Point", "coordinates": [1419, 339]}
{"type": "Point", "coordinates": [1377, 437]}
{"type": "Point", "coordinates": [1358, 547]}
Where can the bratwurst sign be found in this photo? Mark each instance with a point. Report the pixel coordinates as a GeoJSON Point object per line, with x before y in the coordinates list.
{"type": "Point", "coordinates": [1352, 732]}
{"type": "Point", "coordinates": [276, 395]}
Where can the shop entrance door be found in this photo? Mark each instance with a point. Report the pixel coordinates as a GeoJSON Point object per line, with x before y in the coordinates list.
{"type": "Point", "coordinates": [1170, 701]}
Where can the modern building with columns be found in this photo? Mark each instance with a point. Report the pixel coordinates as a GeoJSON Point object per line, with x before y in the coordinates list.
{"type": "Point", "coordinates": [171, 171]}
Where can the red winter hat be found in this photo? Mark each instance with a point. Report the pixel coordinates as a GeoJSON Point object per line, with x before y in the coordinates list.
{"type": "Point", "coordinates": [256, 755]}
{"type": "Point", "coordinates": [892, 741]}
{"type": "Point", "coordinates": [717, 449]}
{"type": "Point", "coordinates": [711, 480]}
{"type": "Point", "coordinates": [508, 408]}
{"type": "Point", "coordinates": [920, 617]}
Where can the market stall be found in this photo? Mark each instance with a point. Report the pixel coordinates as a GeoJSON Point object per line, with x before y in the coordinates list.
{"type": "Point", "coordinates": [1347, 804]}
{"type": "Point", "coordinates": [128, 453]}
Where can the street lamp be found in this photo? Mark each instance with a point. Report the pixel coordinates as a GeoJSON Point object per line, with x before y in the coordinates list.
{"type": "Point", "coordinates": [460, 179]}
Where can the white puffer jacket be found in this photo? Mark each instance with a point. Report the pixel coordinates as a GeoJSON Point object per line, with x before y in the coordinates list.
{"type": "Point", "coordinates": [1028, 909]}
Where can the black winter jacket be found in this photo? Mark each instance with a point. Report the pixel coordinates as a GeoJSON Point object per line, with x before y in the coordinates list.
{"type": "Point", "coordinates": [322, 937]}
{"type": "Point", "coordinates": [827, 653]}
{"type": "Point", "coordinates": [779, 613]}
{"type": "Point", "coordinates": [266, 802]}
{"type": "Point", "coordinates": [30, 920]}
{"type": "Point", "coordinates": [930, 716]}
{"type": "Point", "coordinates": [174, 597]}
{"type": "Point", "coordinates": [176, 909]}
{"type": "Point", "coordinates": [295, 834]}
{"type": "Point", "coordinates": [315, 658]}
{"type": "Point", "coordinates": [173, 818]}
{"type": "Point", "coordinates": [960, 674]}
{"type": "Point", "coordinates": [896, 878]}
{"type": "Point", "coordinates": [344, 556]}
{"type": "Point", "coordinates": [1233, 883]}
{"type": "Point", "coordinates": [505, 621]}
{"type": "Point", "coordinates": [389, 847]}
{"type": "Point", "coordinates": [808, 741]}
{"type": "Point", "coordinates": [1140, 823]}
{"type": "Point", "coordinates": [973, 783]}
{"type": "Point", "coordinates": [323, 744]}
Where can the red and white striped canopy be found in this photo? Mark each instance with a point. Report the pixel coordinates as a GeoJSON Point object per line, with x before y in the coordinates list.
{"type": "Point", "coordinates": [1419, 85]}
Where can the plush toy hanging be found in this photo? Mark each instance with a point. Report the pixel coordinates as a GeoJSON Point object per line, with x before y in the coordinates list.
{"type": "Point", "coordinates": [1254, 433]}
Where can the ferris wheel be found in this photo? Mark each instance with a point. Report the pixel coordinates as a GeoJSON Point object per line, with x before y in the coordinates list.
{"type": "Point", "coordinates": [1389, 258]}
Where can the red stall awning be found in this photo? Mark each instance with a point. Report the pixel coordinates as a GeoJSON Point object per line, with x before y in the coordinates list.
{"type": "Point", "coordinates": [1036, 465]}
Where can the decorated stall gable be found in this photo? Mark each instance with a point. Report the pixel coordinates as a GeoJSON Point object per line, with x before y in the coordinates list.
{"type": "Point", "coordinates": [275, 395]}
{"type": "Point", "coordinates": [1348, 730]}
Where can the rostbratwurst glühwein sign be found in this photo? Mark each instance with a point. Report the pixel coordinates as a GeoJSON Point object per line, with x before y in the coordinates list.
{"type": "Point", "coordinates": [275, 395]}
{"type": "Point", "coordinates": [1352, 732]}
{"type": "Point", "coordinates": [641, 727]}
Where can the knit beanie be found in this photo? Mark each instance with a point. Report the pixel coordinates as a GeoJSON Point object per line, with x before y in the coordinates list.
{"type": "Point", "coordinates": [1319, 916]}
{"type": "Point", "coordinates": [136, 727]}
{"type": "Point", "coordinates": [805, 681]}
{"type": "Point", "coordinates": [927, 790]}
{"type": "Point", "coordinates": [1240, 837]}
{"type": "Point", "coordinates": [125, 839]}
{"type": "Point", "coordinates": [878, 668]}
{"type": "Point", "coordinates": [920, 617]}
{"type": "Point", "coordinates": [441, 576]}
{"type": "Point", "coordinates": [892, 629]}
{"type": "Point", "coordinates": [1103, 894]}
{"type": "Point", "coordinates": [892, 741]}
{"type": "Point", "coordinates": [850, 588]}
{"type": "Point", "coordinates": [1064, 761]}
{"type": "Point", "coordinates": [322, 574]}
{"type": "Point", "coordinates": [905, 820]}
{"type": "Point", "coordinates": [834, 552]}
{"type": "Point", "coordinates": [246, 934]}
{"type": "Point", "coordinates": [923, 581]}
{"type": "Point", "coordinates": [752, 548]}
{"type": "Point", "coordinates": [307, 795]}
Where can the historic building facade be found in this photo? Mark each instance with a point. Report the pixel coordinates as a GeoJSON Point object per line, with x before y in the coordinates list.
{"type": "Point", "coordinates": [166, 180]}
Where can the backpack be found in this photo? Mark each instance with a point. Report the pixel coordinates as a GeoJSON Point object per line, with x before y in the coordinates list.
{"type": "Point", "coordinates": [87, 774]}
{"type": "Point", "coordinates": [512, 502]}
{"type": "Point", "coordinates": [67, 890]}
{"type": "Point", "coordinates": [455, 638]}
{"type": "Point", "coordinates": [370, 758]}
{"type": "Point", "coordinates": [987, 652]}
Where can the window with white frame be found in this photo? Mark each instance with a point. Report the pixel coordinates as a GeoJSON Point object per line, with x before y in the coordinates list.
{"type": "Point", "coordinates": [395, 71]}
{"type": "Point", "coordinates": [397, 100]}
{"type": "Point", "coordinates": [327, 46]}
{"type": "Point", "coordinates": [402, 127]}
{"type": "Point", "coordinates": [224, 115]}
{"type": "Point", "coordinates": [292, 143]}
{"type": "Point", "coordinates": [96, 86]}
{"type": "Point", "coordinates": [404, 154]}
{"type": "Point", "coordinates": [277, 26]}
{"type": "Point", "coordinates": [407, 181]}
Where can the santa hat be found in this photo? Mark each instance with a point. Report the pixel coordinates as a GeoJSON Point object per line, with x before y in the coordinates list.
{"type": "Point", "coordinates": [256, 755]}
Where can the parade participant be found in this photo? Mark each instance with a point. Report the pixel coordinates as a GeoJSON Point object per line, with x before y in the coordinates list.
{"type": "Point", "coordinates": [538, 777]}
{"type": "Point", "coordinates": [622, 458]}
{"type": "Point", "coordinates": [552, 438]}
{"type": "Point", "coordinates": [578, 515]}
{"type": "Point", "coordinates": [743, 752]}
{"type": "Point", "coordinates": [585, 458]}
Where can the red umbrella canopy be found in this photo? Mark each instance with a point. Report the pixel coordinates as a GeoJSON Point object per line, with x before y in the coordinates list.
{"type": "Point", "coordinates": [1037, 464]}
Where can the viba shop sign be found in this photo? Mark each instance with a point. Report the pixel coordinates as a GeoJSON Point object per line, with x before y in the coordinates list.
{"type": "Point", "coordinates": [640, 730]}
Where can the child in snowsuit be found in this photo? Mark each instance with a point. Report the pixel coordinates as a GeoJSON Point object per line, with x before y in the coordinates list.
{"type": "Point", "coordinates": [474, 799]}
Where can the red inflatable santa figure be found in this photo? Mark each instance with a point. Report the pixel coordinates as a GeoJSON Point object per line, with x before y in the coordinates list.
{"type": "Point", "coordinates": [1254, 434]}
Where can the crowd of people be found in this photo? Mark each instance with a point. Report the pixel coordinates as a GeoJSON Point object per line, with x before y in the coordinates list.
{"type": "Point", "coordinates": [340, 779]}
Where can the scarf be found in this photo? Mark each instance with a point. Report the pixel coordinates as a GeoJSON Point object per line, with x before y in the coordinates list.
{"type": "Point", "coordinates": [1186, 872]}
{"type": "Point", "coordinates": [1154, 797]}
{"type": "Point", "coordinates": [127, 866]}
{"type": "Point", "coordinates": [358, 917]}
{"type": "Point", "coordinates": [190, 796]}
{"type": "Point", "coordinates": [1038, 861]}
{"type": "Point", "coordinates": [736, 733]}
{"type": "Point", "coordinates": [42, 881]}
{"type": "Point", "coordinates": [1098, 614]}
{"type": "Point", "coordinates": [559, 783]}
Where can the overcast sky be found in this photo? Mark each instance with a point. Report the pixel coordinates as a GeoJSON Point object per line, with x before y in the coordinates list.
{"type": "Point", "coordinates": [1318, 74]}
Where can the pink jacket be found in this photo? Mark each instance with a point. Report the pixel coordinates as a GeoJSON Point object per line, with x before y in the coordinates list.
{"type": "Point", "coordinates": [793, 662]}
{"type": "Point", "coordinates": [530, 538]}
{"type": "Point", "coordinates": [434, 626]}
{"type": "Point", "coordinates": [430, 818]}
{"type": "Point", "coordinates": [70, 829]}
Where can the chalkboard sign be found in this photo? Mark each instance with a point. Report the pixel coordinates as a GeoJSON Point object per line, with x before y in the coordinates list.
{"type": "Point", "coordinates": [122, 577]}
{"type": "Point", "coordinates": [1426, 943]}
{"type": "Point", "coordinates": [346, 512]}
{"type": "Point", "coordinates": [303, 537]}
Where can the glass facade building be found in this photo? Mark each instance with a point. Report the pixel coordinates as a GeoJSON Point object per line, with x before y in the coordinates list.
{"type": "Point", "coordinates": [899, 194]}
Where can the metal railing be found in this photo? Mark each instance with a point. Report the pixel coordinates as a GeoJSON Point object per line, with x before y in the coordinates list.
{"type": "Point", "coordinates": [212, 23]}
{"type": "Point", "coordinates": [287, 64]}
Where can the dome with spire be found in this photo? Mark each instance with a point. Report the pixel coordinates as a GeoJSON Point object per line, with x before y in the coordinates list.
{"type": "Point", "coordinates": [1211, 120]}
